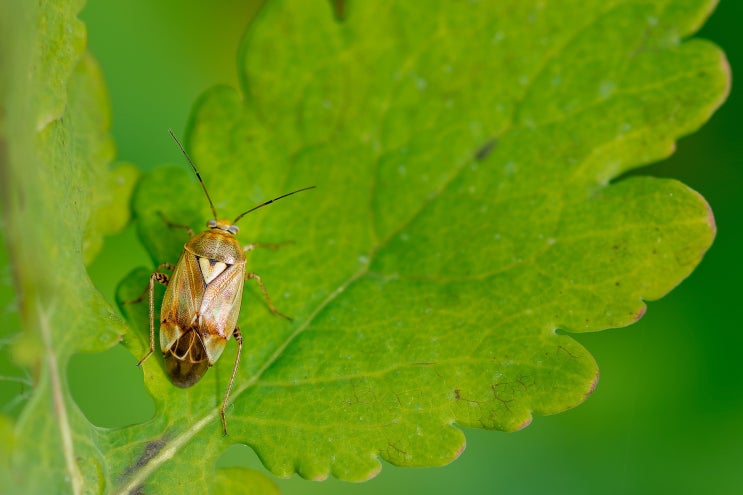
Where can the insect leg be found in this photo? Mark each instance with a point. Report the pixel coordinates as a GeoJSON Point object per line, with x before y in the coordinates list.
{"type": "Point", "coordinates": [163, 279]}
{"type": "Point", "coordinates": [274, 247]}
{"type": "Point", "coordinates": [174, 225]}
{"type": "Point", "coordinates": [166, 266]}
{"type": "Point", "coordinates": [239, 338]}
{"type": "Point", "coordinates": [273, 309]}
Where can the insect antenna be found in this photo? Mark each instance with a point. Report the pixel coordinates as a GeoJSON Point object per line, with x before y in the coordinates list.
{"type": "Point", "coordinates": [269, 202]}
{"type": "Point", "coordinates": [195, 170]}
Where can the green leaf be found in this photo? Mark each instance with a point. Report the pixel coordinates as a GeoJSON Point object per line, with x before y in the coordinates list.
{"type": "Point", "coordinates": [55, 182]}
{"type": "Point", "coordinates": [244, 481]}
{"type": "Point", "coordinates": [463, 223]}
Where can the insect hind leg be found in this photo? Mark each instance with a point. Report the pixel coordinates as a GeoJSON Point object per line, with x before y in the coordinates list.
{"type": "Point", "coordinates": [239, 339]}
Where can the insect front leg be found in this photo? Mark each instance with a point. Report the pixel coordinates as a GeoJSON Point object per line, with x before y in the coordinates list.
{"type": "Point", "coordinates": [257, 278]}
{"type": "Point", "coordinates": [239, 338]}
{"type": "Point", "coordinates": [174, 225]}
{"type": "Point", "coordinates": [140, 298]}
{"type": "Point", "coordinates": [163, 279]}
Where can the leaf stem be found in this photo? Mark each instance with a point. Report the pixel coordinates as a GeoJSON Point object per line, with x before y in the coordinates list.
{"type": "Point", "coordinates": [65, 431]}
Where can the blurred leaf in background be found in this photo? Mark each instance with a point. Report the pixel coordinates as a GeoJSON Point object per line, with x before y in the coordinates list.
{"type": "Point", "coordinates": [60, 196]}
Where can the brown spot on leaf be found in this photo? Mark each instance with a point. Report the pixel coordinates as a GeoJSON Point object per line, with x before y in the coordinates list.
{"type": "Point", "coordinates": [339, 9]}
{"type": "Point", "coordinates": [640, 313]}
{"type": "Point", "coordinates": [151, 449]}
{"type": "Point", "coordinates": [485, 149]}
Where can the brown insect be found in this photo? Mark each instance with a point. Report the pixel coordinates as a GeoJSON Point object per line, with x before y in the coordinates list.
{"type": "Point", "coordinates": [203, 296]}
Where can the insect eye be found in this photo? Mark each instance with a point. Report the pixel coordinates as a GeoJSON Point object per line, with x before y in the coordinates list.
{"type": "Point", "coordinates": [233, 229]}
{"type": "Point", "coordinates": [211, 224]}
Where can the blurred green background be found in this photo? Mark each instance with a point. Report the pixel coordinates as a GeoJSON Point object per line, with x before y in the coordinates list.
{"type": "Point", "coordinates": [667, 416]}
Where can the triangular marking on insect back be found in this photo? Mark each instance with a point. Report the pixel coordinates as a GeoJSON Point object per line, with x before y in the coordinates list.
{"type": "Point", "coordinates": [210, 269]}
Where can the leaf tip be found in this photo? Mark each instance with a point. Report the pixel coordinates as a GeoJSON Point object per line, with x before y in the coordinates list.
{"type": "Point", "coordinates": [525, 423]}
{"type": "Point", "coordinates": [710, 216]}
{"type": "Point", "coordinates": [594, 384]}
{"type": "Point", "coordinates": [638, 316]}
{"type": "Point", "coordinates": [372, 473]}
{"type": "Point", "coordinates": [459, 450]}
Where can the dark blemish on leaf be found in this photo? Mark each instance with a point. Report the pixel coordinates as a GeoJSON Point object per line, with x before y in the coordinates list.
{"type": "Point", "coordinates": [496, 396]}
{"type": "Point", "coordinates": [458, 396]}
{"type": "Point", "coordinates": [151, 449]}
{"type": "Point", "coordinates": [566, 351]}
{"type": "Point", "coordinates": [398, 453]}
{"type": "Point", "coordinates": [339, 9]}
{"type": "Point", "coordinates": [139, 490]}
{"type": "Point", "coordinates": [485, 149]}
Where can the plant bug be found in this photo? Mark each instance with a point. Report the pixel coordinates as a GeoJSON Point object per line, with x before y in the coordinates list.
{"type": "Point", "coordinates": [202, 298]}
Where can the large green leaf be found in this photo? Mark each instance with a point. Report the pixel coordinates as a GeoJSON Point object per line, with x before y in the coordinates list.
{"type": "Point", "coordinates": [463, 221]}
{"type": "Point", "coordinates": [463, 225]}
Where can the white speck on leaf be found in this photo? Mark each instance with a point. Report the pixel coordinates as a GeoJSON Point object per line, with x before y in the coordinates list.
{"type": "Point", "coordinates": [606, 88]}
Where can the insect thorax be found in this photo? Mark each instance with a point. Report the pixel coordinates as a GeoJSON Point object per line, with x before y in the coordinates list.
{"type": "Point", "coordinates": [216, 245]}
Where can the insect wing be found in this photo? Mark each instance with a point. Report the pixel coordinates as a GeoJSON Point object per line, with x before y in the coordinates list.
{"type": "Point", "coordinates": [181, 301]}
{"type": "Point", "coordinates": [220, 308]}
